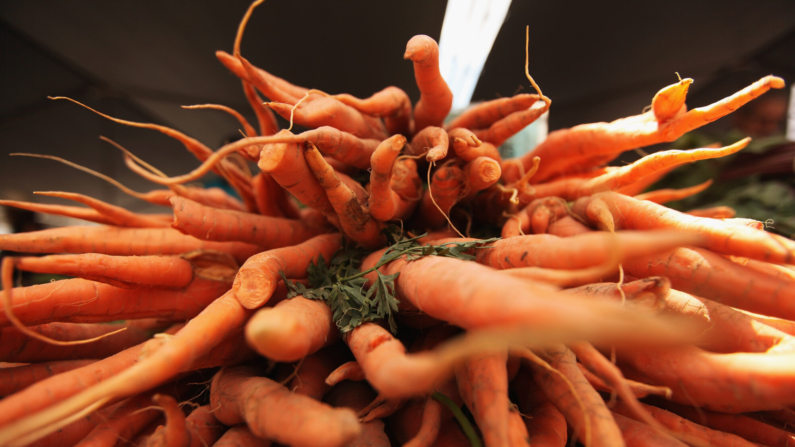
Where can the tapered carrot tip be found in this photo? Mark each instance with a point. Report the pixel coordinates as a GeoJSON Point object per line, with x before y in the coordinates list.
{"type": "Point", "coordinates": [269, 333]}
{"type": "Point", "coordinates": [253, 288]}
{"type": "Point", "coordinates": [776, 82]}
{"type": "Point", "coordinates": [420, 48]}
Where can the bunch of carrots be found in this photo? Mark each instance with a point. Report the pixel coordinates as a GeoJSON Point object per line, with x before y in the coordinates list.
{"type": "Point", "coordinates": [326, 305]}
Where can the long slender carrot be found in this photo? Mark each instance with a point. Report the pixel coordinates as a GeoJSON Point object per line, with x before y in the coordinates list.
{"type": "Point", "coordinates": [261, 79]}
{"type": "Point", "coordinates": [119, 271]}
{"type": "Point", "coordinates": [483, 385]}
{"type": "Point", "coordinates": [327, 111]}
{"type": "Point", "coordinates": [638, 434]}
{"type": "Point", "coordinates": [247, 128]}
{"type": "Point", "coordinates": [588, 145]}
{"type": "Point", "coordinates": [225, 226]}
{"type": "Point", "coordinates": [265, 118]}
{"type": "Point", "coordinates": [670, 195]}
{"type": "Point", "coordinates": [75, 212]}
{"type": "Point", "coordinates": [505, 128]}
{"type": "Point", "coordinates": [292, 329]}
{"type": "Point", "coordinates": [279, 415]}
{"type": "Point", "coordinates": [258, 277]}
{"type": "Point", "coordinates": [13, 380]}
{"type": "Point", "coordinates": [76, 430]}
{"type": "Point", "coordinates": [640, 390]}
{"type": "Point", "coordinates": [484, 114]}
{"type": "Point", "coordinates": [383, 199]}
{"type": "Point", "coordinates": [436, 99]}
{"type": "Point", "coordinates": [354, 219]}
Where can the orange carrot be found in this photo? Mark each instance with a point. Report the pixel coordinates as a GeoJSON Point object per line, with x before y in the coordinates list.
{"type": "Point", "coordinates": [225, 226]}
{"type": "Point", "coordinates": [481, 173]}
{"type": "Point", "coordinates": [354, 219]}
{"type": "Point", "coordinates": [383, 199]}
{"type": "Point", "coordinates": [356, 396]}
{"type": "Point", "coordinates": [257, 278]}
{"type": "Point", "coordinates": [241, 436]}
{"type": "Point", "coordinates": [343, 146]}
{"type": "Point", "coordinates": [436, 99]}
{"type": "Point", "coordinates": [391, 103]}
{"type": "Point", "coordinates": [567, 226]}
{"type": "Point", "coordinates": [468, 147]}
{"type": "Point", "coordinates": [538, 215]}
{"type": "Point", "coordinates": [588, 145]}
{"type": "Point", "coordinates": [13, 380]}
{"type": "Point", "coordinates": [669, 103]}
{"type": "Point", "coordinates": [248, 130]}
{"type": "Point", "coordinates": [327, 111]}
{"type": "Point", "coordinates": [274, 88]}
{"type": "Point", "coordinates": [265, 118]}
{"type": "Point", "coordinates": [74, 432]}
{"type": "Point", "coordinates": [628, 213]}
{"type": "Point", "coordinates": [505, 128]}
{"type": "Point", "coordinates": [346, 371]}
{"type": "Point", "coordinates": [671, 195]}
{"type": "Point", "coordinates": [447, 187]}
{"type": "Point", "coordinates": [279, 415]}
{"type": "Point", "coordinates": [638, 434]}
{"type": "Point", "coordinates": [715, 212]}
{"type": "Point", "coordinates": [75, 212]}
{"type": "Point", "coordinates": [546, 426]}
{"type": "Point", "coordinates": [291, 330]}
{"type": "Point", "coordinates": [267, 193]}
{"type": "Point", "coordinates": [483, 115]}
{"type": "Point", "coordinates": [483, 384]}
{"type": "Point", "coordinates": [432, 141]}
{"type": "Point", "coordinates": [175, 432]}
{"type": "Point", "coordinates": [119, 271]}
{"type": "Point", "coordinates": [310, 379]}
{"type": "Point", "coordinates": [118, 242]}
{"type": "Point", "coordinates": [640, 390]}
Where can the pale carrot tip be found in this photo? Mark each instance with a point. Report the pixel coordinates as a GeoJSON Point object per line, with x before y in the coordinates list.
{"type": "Point", "coordinates": [776, 82]}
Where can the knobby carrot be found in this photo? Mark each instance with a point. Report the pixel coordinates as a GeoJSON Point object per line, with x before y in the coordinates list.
{"type": "Point", "coordinates": [432, 141]}
{"type": "Point", "coordinates": [538, 215]}
{"type": "Point", "coordinates": [669, 102]}
{"type": "Point", "coordinates": [468, 147]}
{"type": "Point", "coordinates": [436, 99]}
{"type": "Point", "coordinates": [273, 412]}
{"type": "Point", "coordinates": [447, 187]}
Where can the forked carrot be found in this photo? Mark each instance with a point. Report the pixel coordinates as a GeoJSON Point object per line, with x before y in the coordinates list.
{"type": "Point", "coordinates": [436, 99]}
{"type": "Point", "coordinates": [447, 187]}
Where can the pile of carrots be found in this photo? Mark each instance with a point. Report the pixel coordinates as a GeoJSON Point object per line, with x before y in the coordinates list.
{"type": "Point", "coordinates": [600, 316]}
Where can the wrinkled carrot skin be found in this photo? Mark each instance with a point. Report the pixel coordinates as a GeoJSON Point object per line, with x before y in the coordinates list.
{"type": "Point", "coordinates": [716, 212]}
{"type": "Point", "coordinates": [16, 346]}
{"type": "Point", "coordinates": [273, 412]}
{"type": "Point", "coordinates": [743, 426]}
{"type": "Point", "coordinates": [117, 214]}
{"type": "Point", "coordinates": [588, 145]}
{"type": "Point", "coordinates": [286, 164]}
{"type": "Point", "coordinates": [681, 426]}
{"type": "Point", "coordinates": [500, 131]}
{"type": "Point", "coordinates": [447, 187]}
{"type": "Point", "coordinates": [13, 380]}
{"type": "Point", "coordinates": [354, 219]}
{"type": "Point", "coordinates": [241, 436]}
{"type": "Point", "coordinates": [356, 396]}
{"type": "Point", "coordinates": [436, 99]}
{"type": "Point", "coordinates": [224, 226]}
{"type": "Point", "coordinates": [391, 103]}
{"type": "Point", "coordinates": [638, 434]}
{"type": "Point", "coordinates": [432, 141]}
{"type": "Point", "coordinates": [603, 429]}
{"type": "Point", "coordinates": [546, 426]}
{"type": "Point", "coordinates": [383, 200]}
{"type": "Point", "coordinates": [669, 102]}
{"type": "Point", "coordinates": [292, 329]}
{"type": "Point", "coordinates": [670, 195]}
{"type": "Point", "coordinates": [483, 115]}
{"type": "Point", "coordinates": [327, 111]}
{"type": "Point", "coordinates": [631, 214]}
{"type": "Point", "coordinates": [120, 271]}
{"type": "Point", "coordinates": [712, 276]}
{"type": "Point", "coordinates": [257, 278]}
{"type": "Point", "coordinates": [118, 242]}
{"type": "Point", "coordinates": [83, 301]}
{"type": "Point", "coordinates": [483, 385]}
{"type": "Point", "coordinates": [586, 250]}
{"type": "Point", "coordinates": [481, 173]}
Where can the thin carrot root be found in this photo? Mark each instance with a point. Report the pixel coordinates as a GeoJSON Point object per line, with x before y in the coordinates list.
{"type": "Point", "coordinates": [670, 195]}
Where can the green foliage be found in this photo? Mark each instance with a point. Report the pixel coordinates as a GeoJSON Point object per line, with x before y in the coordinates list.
{"type": "Point", "coordinates": [341, 284]}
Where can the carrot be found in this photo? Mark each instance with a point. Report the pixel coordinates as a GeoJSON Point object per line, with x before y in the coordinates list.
{"type": "Point", "coordinates": [247, 128]}
{"type": "Point", "coordinates": [584, 146]}
{"type": "Point", "coordinates": [407, 184]}
{"type": "Point", "coordinates": [203, 428]}
{"type": "Point", "coordinates": [75, 212]}
{"type": "Point", "coordinates": [564, 385]}
{"type": "Point", "coordinates": [273, 87]}
{"type": "Point", "coordinates": [483, 384]}
{"type": "Point", "coordinates": [468, 147]}
{"type": "Point", "coordinates": [265, 118]}
{"type": "Point", "coordinates": [225, 226]}
{"type": "Point", "coordinates": [291, 330]}
{"type": "Point", "coordinates": [391, 103]}
{"type": "Point", "coordinates": [240, 436]}
{"type": "Point", "coordinates": [72, 433]}
{"type": "Point", "coordinates": [580, 251]}
{"type": "Point", "coordinates": [432, 141]}
{"type": "Point", "coordinates": [567, 226]}
{"type": "Point", "coordinates": [12, 380]}
{"type": "Point", "coordinates": [310, 379]}
{"type": "Point", "coordinates": [517, 431]}
{"type": "Point", "coordinates": [481, 173]}
{"type": "Point", "coordinates": [638, 434]}
{"type": "Point", "coordinates": [15, 346]}
{"type": "Point", "coordinates": [640, 390]}
{"type": "Point", "coordinates": [118, 242]}
{"type": "Point", "coordinates": [343, 146]}
{"type": "Point", "coordinates": [669, 103]}
{"type": "Point", "coordinates": [257, 278]}
{"type": "Point", "coordinates": [199, 429]}
{"type": "Point", "coordinates": [484, 114]}
{"type": "Point", "coordinates": [356, 396]}
{"type": "Point", "coordinates": [671, 195]}
{"type": "Point", "coordinates": [383, 199]}
{"type": "Point", "coordinates": [546, 425]}
{"type": "Point", "coordinates": [538, 215]}
{"type": "Point", "coordinates": [327, 111]}
{"type": "Point", "coordinates": [346, 371]}
{"type": "Point", "coordinates": [715, 212]}
{"type": "Point", "coordinates": [685, 428]}
{"type": "Point", "coordinates": [119, 271]}
{"type": "Point", "coordinates": [354, 219]}
{"type": "Point", "coordinates": [505, 128]}
{"type": "Point", "coordinates": [631, 214]}
{"type": "Point", "coordinates": [447, 187]}
{"type": "Point", "coordinates": [436, 99]}
{"type": "Point", "coordinates": [279, 414]}
{"type": "Point", "coordinates": [267, 193]}
{"type": "Point", "coordinates": [712, 276]}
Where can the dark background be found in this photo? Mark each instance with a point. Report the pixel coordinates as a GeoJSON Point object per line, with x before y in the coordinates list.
{"type": "Point", "coordinates": [141, 60]}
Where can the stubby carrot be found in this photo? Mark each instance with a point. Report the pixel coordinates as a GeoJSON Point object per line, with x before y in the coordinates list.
{"type": "Point", "coordinates": [119, 271]}
{"type": "Point", "coordinates": [258, 277]}
{"type": "Point", "coordinates": [481, 173]}
{"type": "Point", "coordinates": [384, 200]}
{"type": "Point", "coordinates": [292, 329]}
{"type": "Point", "coordinates": [447, 187]}
{"type": "Point", "coordinates": [432, 141]}
{"type": "Point", "coordinates": [669, 102]}
{"type": "Point", "coordinates": [436, 99]}
{"type": "Point", "coordinates": [271, 411]}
